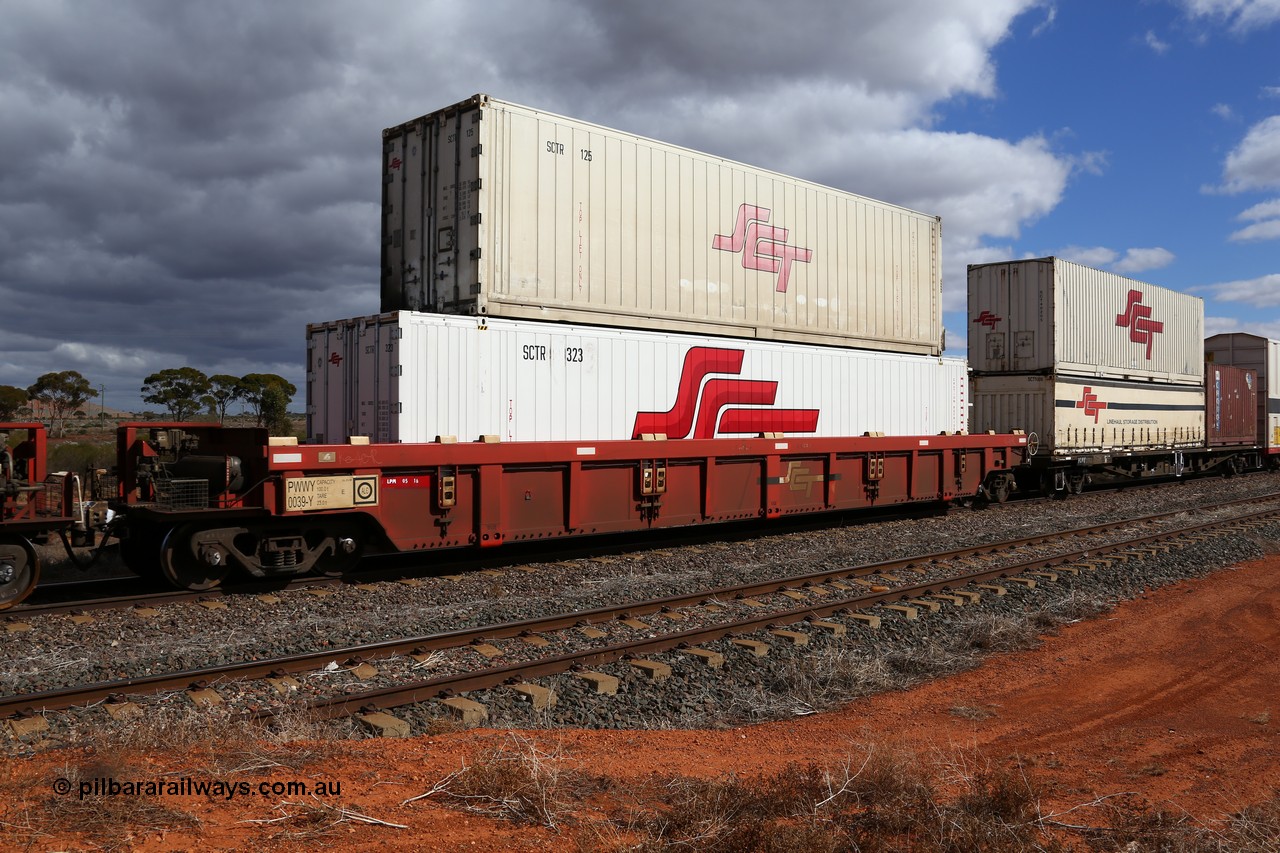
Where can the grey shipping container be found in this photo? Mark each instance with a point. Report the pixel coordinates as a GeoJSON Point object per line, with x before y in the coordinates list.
{"type": "Point", "coordinates": [1231, 405]}
{"type": "Point", "coordinates": [1262, 355]}
{"type": "Point", "coordinates": [491, 208]}
{"type": "Point", "coordinates": [1048, 315]}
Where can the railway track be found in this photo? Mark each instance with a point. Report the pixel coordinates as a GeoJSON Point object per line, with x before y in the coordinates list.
{"type": "Point", "coordinates": [96, 594]}
{"type": "Point", "coordinates": [562, 642]}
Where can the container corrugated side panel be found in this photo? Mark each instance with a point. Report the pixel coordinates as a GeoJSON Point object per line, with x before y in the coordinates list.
{"type": "Point", "coordinates": [1049, 315]}
{"type": "Point", "coordinates": [1007, 403]}
{"type": "Point", "coordinates": [534, 381]}
{"type": "Point", "coordinates": [1074, 415]}
{"type": "Point", "coordinates": [1231, 405]}
{"type": "Point", "coordinates": [1109, 325]}
{"type": "Point", "coordinates": [573, 222]}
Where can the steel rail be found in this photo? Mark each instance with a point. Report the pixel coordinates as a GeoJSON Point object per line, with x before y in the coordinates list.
{"type": "Point", "coordinates": [23, 611]}
{"type": "Point", "coordinates": [63, 698]}
{"type": "Point", "coordinates": [444, 686]}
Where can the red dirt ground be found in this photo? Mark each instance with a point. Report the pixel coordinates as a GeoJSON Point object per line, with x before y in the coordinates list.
{"type": "Point", "coordinates": [1173, 696]}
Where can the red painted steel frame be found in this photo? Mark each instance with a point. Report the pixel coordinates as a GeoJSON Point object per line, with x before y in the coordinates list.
{"type": "Point", "coordinates": [35, 448]}
{"type": "Point", "coordinates": [536, 490]}
{"type": "Point", "coordinates": [33, 514]}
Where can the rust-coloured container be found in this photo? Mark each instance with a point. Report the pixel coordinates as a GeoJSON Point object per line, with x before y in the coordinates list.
{"type": "Point", "coordinates": [1231, 405]}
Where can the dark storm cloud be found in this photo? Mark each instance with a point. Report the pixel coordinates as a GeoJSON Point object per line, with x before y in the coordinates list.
{"type": "Point", "coordinates": [191, 183]}
{"type": "Point", "coordinates": [180, 180]}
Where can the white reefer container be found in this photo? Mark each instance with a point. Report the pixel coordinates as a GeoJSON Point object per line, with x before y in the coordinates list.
{"type": "Point", "coordinates": [410, 377]}
{"type": "Point", "coordinates": [490, 208]}
{"type": "Point", "coordinates": [1048, 315]}
{"type": "Point", "coordinates": [1073, 416]}
{"type": "Point", "coordinates": [1240, 349]}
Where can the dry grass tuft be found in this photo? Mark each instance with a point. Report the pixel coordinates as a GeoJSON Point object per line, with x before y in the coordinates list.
{"type": "Point", "coordinates": [966, 712]}
{"type": "Point", "coordinates": [883, 801]}
{"type": "Point", "coordinates": [515, 781]}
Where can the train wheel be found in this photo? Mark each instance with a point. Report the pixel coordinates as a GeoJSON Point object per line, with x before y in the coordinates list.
{"type": "Point", "coordinates": [140, 552]}
{"type": "Point", "coordinates": [1075, 483]}
{"type": "Point", "coordinates": [1000, 490]}
{"type": "Point", "coordinates": [183, 569]}
{"type": "Point", "coordinates": [348, 549]}
{"type": "Point", "coordinates": [19, 571]}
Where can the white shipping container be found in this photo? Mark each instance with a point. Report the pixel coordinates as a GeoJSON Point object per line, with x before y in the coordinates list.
{"type": "Point", "coordinates": [410, 377]}
{"type": "Point", "coordinates": [491, 208]}
{"type": "Point", "coordinates": [1048, 315]}
{"type": "Point", "coordinates": [1240, 349]}
{"type": "Point", "coordinates": [1075, 415]}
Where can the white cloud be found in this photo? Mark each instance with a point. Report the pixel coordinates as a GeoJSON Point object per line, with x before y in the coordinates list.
{"type": "Point", "coordinates": [1262, 292]}
{"type": "Point", "coordinates": [1265, 210]}
{"type": "Point", "coordinates": [1153, 41]}
{"type": "Point", "coordinates": [1090, 256]}
{"type": "Point", "coordinates": [1090, 162]}
{"type": "Point", "coordinates": [1240, 15]}
{"type": "Point", "coordinates": [1271, 91]}
{"type": "Point", "coordinates": [1138, 260]}
{"type": "Point", "coordinates": [111, 358]}
{"type": "Point", "coordinates": [1133, 260]}
{"type": "Point", "coordinates": [1269, 230]}
{"type": "Point", "coordinates": [1224, 325]}
{"type": "Point", "coordinates": [1223, 111]}
{"type": "Point", "coordinates": [1220, 326]}
{"type": "Point", "coordinates": [1254, 164]}
{"type": "Point", "coordinates": [1050, 15]}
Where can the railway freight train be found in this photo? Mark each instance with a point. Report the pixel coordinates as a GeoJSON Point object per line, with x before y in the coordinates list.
{"type": "Point", "coordinates": [1112, 378]}
{"type": "Point", "coordinates": [588, 332]}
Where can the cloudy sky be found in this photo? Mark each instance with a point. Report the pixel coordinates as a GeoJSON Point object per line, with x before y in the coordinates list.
{"type": "Point", "coordinates": [189, 183]}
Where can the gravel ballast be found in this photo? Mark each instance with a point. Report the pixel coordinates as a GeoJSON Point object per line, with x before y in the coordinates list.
{"type": "Point", "coordinates": [790, 680]}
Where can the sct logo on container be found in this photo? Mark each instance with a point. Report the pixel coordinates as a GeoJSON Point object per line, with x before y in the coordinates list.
{"type": "Point", "coordinates": [1137, 319]}
{"type": "Point", "coordinates": [1091, 404]}
{"type": "Point", "coordinates": [763, 246]}
{"type": "Point", "coordinates": [708, 401]}
{"type": "Point", "coordinates": [986, 318]}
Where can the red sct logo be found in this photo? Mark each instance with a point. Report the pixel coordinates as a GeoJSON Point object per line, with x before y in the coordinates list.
{"type": "Point", "coordinates": [1090, 403]}
{"type": "Point", "coordinates": [1137, 319]}
{"type": "Point", "coordinates": [763, 246]}
{"type": "Point", "coordinates": [700, 410]}
{"type": "Point", "coordinates": [986, 318]}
